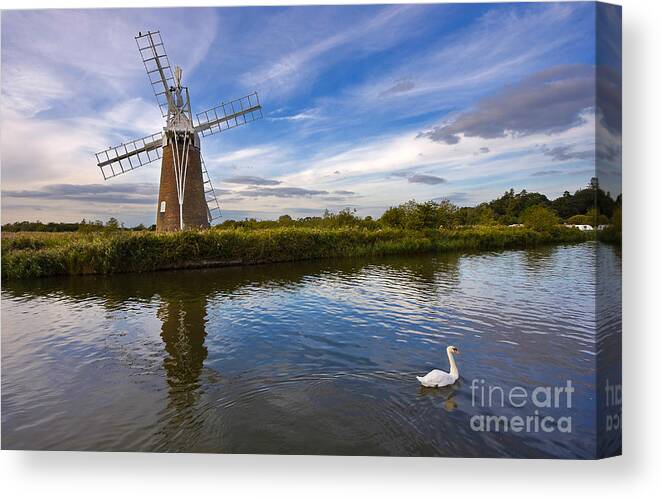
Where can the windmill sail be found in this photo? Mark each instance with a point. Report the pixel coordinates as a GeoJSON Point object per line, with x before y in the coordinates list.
{"type": "Point", "coordinates": [210, 195]}
{"type": "Point", "coordinates": [157, 65]}
{"type": "Point", "coordinates": [126, 157]}
{"type": "Point", "coordinates": [229, 115]}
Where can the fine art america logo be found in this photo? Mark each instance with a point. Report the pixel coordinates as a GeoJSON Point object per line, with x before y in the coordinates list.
{"type": "Point", "coordinates": [532, 408]}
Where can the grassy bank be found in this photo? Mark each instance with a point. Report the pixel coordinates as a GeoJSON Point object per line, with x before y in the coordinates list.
{"type": "Point", "coordinates": [36, 255]}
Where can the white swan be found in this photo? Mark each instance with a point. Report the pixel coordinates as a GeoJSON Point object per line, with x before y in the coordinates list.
{"type": "Point", "coordinates": [438, 378]}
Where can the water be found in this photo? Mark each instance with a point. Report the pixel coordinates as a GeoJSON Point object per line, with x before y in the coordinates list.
{"type": "Point", "coordinates": [315, 358]}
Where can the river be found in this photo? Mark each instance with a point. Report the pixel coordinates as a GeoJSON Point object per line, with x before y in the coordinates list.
{"type": "Point", "coordinates": [310, 357]}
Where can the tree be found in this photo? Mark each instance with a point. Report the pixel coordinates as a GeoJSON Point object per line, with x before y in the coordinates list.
{"type": "Point", "coordinates": [509, 206]}
{"type": "Point", "coordinates": [447, 214]}
{"type": "Point", "coordinates": [423, 215]}
{"type": "Point", "coordinates": [347, 216]}
{"type": "Point", "coordinates": [393, 217]}
{"type": "Point", "coordinates": [344, 217]}
{"type": "Point", "coordinates": [90, 226]}
{"type": "Point", "coordinates": [418, 216]}
{"type": "Point", "coordinates": [539, 218]}
{"type": "Point", "coordinates": [285, 220]}
{"type": "Point", "coordinates": [486, 216]}
{"type": "Point", "coordinates": [112, 223]}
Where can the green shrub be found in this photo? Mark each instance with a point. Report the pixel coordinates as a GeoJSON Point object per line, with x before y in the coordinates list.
{"type": "Point", "coordinates": [540, 218]}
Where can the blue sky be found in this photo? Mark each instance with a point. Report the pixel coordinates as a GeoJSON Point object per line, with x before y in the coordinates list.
{"type": "Point", "coordinates": [364, 106]}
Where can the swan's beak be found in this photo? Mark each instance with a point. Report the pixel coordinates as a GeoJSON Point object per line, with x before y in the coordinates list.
{"type": "Point", "coordinates": [456, 350]}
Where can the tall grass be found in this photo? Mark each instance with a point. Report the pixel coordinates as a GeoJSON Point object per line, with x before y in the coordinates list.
{"type": "Point", "coordinates": [33, 255]}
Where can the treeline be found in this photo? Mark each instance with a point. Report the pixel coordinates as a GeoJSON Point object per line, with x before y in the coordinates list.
{"type": "Point", "coordinates": [590, 206]}
{"type": "Point", "coordinates": [508, 208]}
{"type": "Point", "coordinates": [38, 226]}
{"type": "Point", "coordinates": [83, 226]}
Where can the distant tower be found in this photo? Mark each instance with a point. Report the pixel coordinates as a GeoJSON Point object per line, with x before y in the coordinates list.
{"type": "Point", "coordinates": [186, 199]}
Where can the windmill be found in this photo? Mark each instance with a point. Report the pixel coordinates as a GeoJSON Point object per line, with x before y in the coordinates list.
{"type": "Point", "coordinates": [186, 198]}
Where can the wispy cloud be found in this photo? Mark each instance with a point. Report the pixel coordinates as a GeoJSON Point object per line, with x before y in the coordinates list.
{"type": "Point", "coordinates": [242, 155]}
{"type": "Point", "coordinates": [567, 153]}
{"type": "Point", "coordinates": [400, 87]}
{"type": "Point", "coordinates": [459, 198]}
{"type": "Point", "coordinates": [546, 173]}
{"type": "Point", "coordinates": [426, 179]}
{"type": "Point", "coordinates": [282, 192]}
{"type": "Point", "coordinates": [309, 114]}
{"type": "Point", "coordinates": [293, 69]}
{"type": "Point", "coordinates": [249, 180]}
{"type": "Point", "coordinates": [144, 194]}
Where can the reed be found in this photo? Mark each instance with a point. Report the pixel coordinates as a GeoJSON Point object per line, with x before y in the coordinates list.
{"type": "Point", "coordinates": [36, 255]}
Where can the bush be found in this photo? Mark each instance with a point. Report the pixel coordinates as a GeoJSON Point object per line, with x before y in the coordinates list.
{"type": "Point", "coordinates": [539, 218]}
{"type": "Point", "coordinates": [419, 216]}
{"type": "Point", "coordinates": [579, 220]}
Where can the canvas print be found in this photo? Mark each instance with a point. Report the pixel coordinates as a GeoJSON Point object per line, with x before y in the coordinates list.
{"type": "Point", "coordinates": [385, 230]}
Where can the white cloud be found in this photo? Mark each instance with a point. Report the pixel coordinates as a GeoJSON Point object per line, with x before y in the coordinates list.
{"type": "Point", "coordinates": [310, 114]}
{"type": "Point", "coordinates": [241, 155]}
{"type": "Point", "coordinates": [37, 150]}
{"type": "Point", "coordinates": [28, 90]}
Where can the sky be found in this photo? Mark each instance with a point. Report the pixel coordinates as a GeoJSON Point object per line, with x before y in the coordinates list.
{"type": "Point", "coordinates": [364, 106]}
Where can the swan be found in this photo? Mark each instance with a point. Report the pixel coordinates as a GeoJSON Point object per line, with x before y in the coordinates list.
{"type": "Point", "coordinates": [437, 378]}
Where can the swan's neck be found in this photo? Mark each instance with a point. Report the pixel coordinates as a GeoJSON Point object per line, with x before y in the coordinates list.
{"type": "Point", "coordinates": [454, 372]}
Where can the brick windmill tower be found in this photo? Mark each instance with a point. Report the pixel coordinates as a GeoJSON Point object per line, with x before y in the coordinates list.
{"type": "Point", "coordinates": [186, 197]}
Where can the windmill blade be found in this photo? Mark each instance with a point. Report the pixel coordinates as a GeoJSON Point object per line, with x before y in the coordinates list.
{"type": "Point", "coordinates": [157, 65]}
{"type": "Point", "coordinates": [213, 209]}
{"type": "Point", "coordinates": [126, 157]}
{"type": "Point", "coordinates": [229, 115]}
